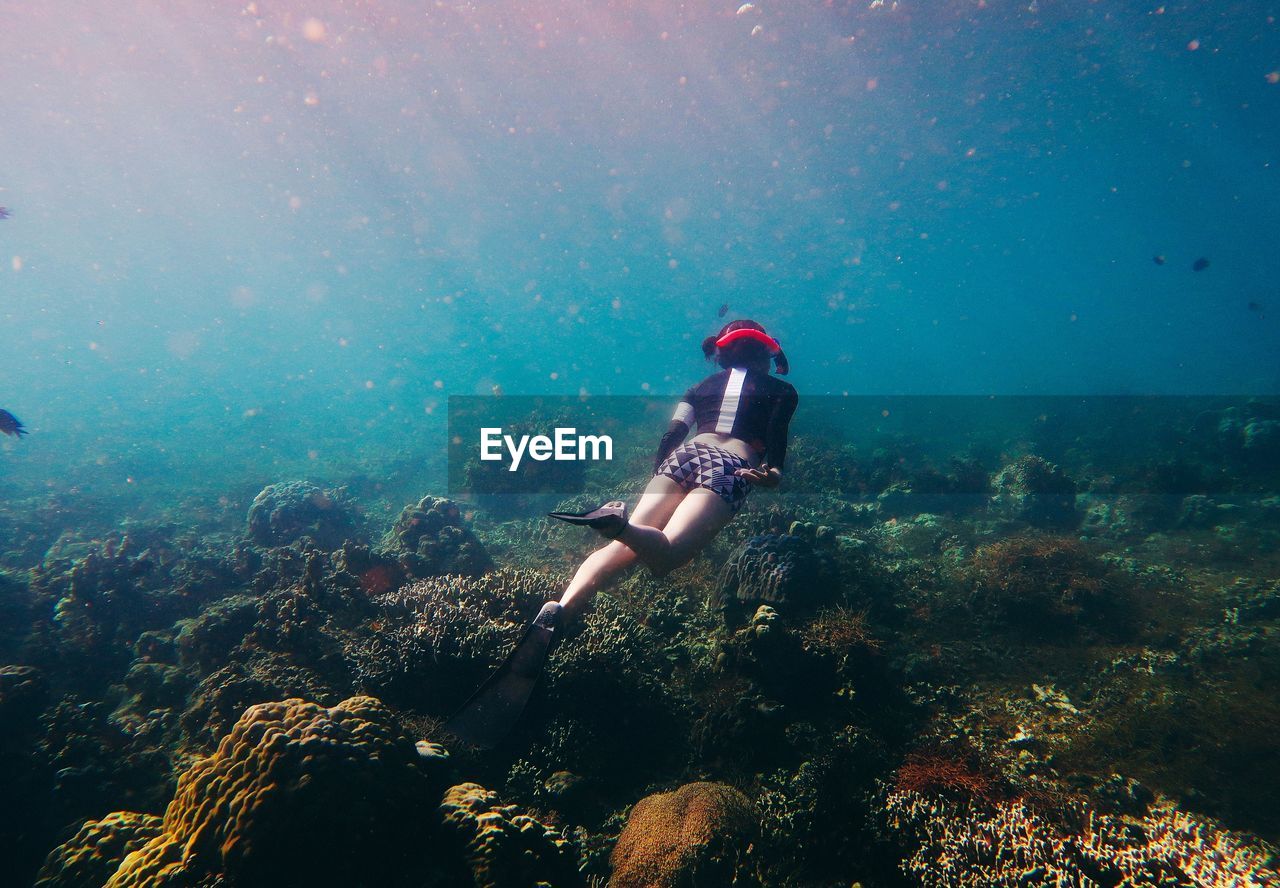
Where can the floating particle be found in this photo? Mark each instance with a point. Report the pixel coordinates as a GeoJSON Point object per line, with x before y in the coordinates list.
{"type": "Point", "coordinates": [1200, 264]}
{"type": "Point", "coordinates": [1158, 259]}
{"type": "Point", "coordinates": [1273, 77]}
{"type": "Point", "coordinates": [311, 99]}
{"type": "Point", "coordinates": [313, 30]}
{"type": "Point", "coordinates": [5, 213]}
{"type": "Point", "coordinates": [757, 30]}
{"type": "Point", "coordinates": [745, 8]}
{"type": "Point", "coordinates": [17, 263]}
{"type": "Point", "coordinates": [1193, 45]}
{"type": "Point", "coordinates": [724, 309]}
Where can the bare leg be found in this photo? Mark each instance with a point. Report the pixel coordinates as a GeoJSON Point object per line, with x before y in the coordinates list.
{"type": "Point", "coordinates": [699, 517]}
{"type": "Point", "coordinates": [655, 508]}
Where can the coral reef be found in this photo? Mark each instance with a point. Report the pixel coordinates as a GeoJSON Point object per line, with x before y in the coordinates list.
{"type": "Point", "coordinates": [778, 570]}
{"type": "Point", "coordinates": [699, 834]}
{"type": "Point", "coordinates": [286, 512]}
{"type": "Point", "coordinates": [1043, 583]}
{"type": "Point", "coordinates": [954, 844]}
{"type": "Point", "coordinates": [503, 847]}
{"type": "Point", "coordinates": [93, 854]}
{"type": "Point", "coordinates": [432, 538]}
{"type": "Point", "coordinates": [295, 793]}
{"type": "Point", "coordinates": [1021, 695]}
{"type": "Point", "coordinates": [1037, 492]}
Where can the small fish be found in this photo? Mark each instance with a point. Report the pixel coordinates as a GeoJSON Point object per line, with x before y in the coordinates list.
{"type": "Point", "coordinates": [11, 425]}
{"type": "Point", "coordinates": [1200, 264]}
{"type": "Point", "coordinates": [1158, 259]}
{"type": "Point", "coordinates": [745, 8]}
{"type": "Point", "coordinates": [5, 213]}
{"type": "Point", "coordinates": [724, 310]}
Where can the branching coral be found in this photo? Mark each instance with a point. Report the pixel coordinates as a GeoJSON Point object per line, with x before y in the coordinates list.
{"type": "Point", "coordinates": [959, 845]}
{"type": "Point", "coordinates": [698, 834]}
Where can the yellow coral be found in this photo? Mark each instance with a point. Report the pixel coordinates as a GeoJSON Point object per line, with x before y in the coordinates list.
{"type": "Point", "coordinates": [503, 846]}
{"type": "Point", "coordinates": [292, 793]}
{"type": "Point", "coordinates": [697, 834]}
{"type": "Point", "coordinates": [94, 852]}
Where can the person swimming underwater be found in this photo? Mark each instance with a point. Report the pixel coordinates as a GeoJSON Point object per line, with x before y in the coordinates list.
{"type": "Point", "coordinates": [742, 415]}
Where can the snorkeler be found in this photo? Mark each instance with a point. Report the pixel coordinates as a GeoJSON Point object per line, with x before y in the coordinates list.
{"type": "Point", "coordinates": [742, 415]}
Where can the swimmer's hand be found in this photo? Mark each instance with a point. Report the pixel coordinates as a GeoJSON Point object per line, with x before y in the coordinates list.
{"type": "Point", "coordinates": [765, 476]}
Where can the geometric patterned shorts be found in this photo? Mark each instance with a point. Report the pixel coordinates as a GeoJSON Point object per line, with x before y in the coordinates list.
{"type": "Point", "coordinates": [704, 465]}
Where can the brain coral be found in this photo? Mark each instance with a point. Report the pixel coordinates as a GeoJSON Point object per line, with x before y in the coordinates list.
{"type": "Point", "coordinates": [505, 848]}
{"type": "Point", "coordinates": [777, 569]}
{"type": "Point", "coordinates": [295, 794]}
{"type": "Point", "coordinates": [696, 835]}
{"type": "Point", "coordinates": [93, 854]}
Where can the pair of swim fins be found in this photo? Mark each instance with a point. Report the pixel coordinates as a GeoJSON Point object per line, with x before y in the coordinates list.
{"type": "Point", "coordinates": [493, 710]}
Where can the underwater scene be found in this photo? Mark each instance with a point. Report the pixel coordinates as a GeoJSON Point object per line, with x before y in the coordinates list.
{"type": "Point", "coordinates": [640, 443]}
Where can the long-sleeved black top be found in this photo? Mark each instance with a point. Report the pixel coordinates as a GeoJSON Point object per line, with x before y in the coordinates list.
{"type": "Point", "coordinates": [746, 404]}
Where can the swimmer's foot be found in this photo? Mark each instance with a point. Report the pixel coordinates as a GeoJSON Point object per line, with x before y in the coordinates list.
{"type": "Point", "coordinates": [610, 519]}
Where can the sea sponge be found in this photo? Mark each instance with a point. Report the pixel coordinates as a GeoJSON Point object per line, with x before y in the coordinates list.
{"type": "Point", "coordinates": [295, 794]}
{"type": "Point", "coordinates": [504, 847]}
{"type": "Point", "coordinates": [92, 855]}
{"type": "Point", "coordinates": [698, 834]}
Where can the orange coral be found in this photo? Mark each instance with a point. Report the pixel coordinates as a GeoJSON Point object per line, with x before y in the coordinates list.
{"type": "Point", "coordinates": [956, 776]}
{"type": "Point", "coordinates": [698, 834]}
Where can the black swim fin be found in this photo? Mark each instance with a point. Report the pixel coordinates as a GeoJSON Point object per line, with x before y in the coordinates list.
{"type": "Point", "coordinates": [610, 519]}
{"type": "Point", "coordinates": [493, 710]}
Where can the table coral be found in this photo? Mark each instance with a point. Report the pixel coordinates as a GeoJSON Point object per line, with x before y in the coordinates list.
{"type": "Point", "coordinates": [296, 793]}
{"type": "Point", "coordinates": [698, 834]}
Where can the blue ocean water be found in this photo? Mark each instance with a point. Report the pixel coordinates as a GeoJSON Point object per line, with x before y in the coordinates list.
{"type": "Point", "coordinates": [285, 232]}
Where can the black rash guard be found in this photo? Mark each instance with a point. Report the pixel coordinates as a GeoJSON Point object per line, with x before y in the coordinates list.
{"type": "Point", "coordinates": [746, 404]}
